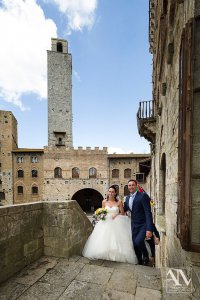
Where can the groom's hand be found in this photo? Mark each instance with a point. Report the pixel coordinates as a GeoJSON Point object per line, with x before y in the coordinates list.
{"type": "Point", "coordinates": [148, 234]}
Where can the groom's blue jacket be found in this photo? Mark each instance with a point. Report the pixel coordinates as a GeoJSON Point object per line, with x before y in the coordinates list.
{"type": "Point", "coordinates": [141, 211]}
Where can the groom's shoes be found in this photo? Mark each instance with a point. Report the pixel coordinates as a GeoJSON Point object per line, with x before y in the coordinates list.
{"type": "Point", "coordinates": [145, 261]}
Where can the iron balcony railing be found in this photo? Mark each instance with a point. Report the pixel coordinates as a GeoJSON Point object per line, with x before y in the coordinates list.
{"type": "Point", "coordinates": [146, 110]}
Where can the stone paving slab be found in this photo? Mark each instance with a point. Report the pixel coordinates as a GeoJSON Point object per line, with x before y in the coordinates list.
{"type": "Point", "coordinates": [11, 290]}
{"type": "Point", "coordinates": [62, 274]}
{"type": "Point", "coordinates": [122, 280]}
{"type": "Point", "coordinates": [95, 274]}
{"type": "Point", "coordinates": [116, 295]}
{"type": "Point", "coordinates": [147, 294]}
{"type": "Point", "coordinates": [42, 291]}
{"type": "Point", "coordinates": [82, 290]}
{"type": "Point", "coordinates": [35, 271]}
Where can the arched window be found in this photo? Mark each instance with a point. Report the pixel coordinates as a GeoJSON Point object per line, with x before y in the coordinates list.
{"type": "Point", "coordinates": [75, 172]}
{"type": "Point", "coordinates": [59, 47]}
{"type": "Point", "coordinates": [58, 172]}
{"type": "Point", "coordinates": [126, 191]}
{"type": "Point", "coordinates": [34, 173]}
{"type": "Point", "coordinates": [2, 196]}
{"type": "Point", "coordinates": [117, 188]}
{"type": "Point", "coordinates": [115, 173]}
{"type": "Point", "coordinates": [20, 173]}
{"type": "Point", "coordinates": [127, 173]}
{"type": "Point", "coordinates": [92, 173]}
{"type": "Point", "coordinates": [34, 190]}
{"type": "Point", "coordinates": [20, 189]}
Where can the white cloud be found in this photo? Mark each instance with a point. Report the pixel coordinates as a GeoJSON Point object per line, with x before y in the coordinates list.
{"type": "Point", "coordinates": [77, 76]}
{"type": "Point", "coordinates": [25, 36]}
{"type": "Point", "coordinates": [80, 13]}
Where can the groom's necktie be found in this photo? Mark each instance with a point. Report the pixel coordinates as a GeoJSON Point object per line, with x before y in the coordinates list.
{"type": "Point", "coordinates": [132, 196]}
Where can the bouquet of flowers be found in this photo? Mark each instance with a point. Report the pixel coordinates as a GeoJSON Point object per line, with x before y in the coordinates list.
{"type": "Point", "coordinates": [100, 214]}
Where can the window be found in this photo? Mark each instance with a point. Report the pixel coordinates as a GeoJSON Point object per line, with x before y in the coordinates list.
{"type": "Point", "coordinates": [20, 159]}
{"type": "Point", "coordinates": [20, 189]}
{"type": "Point", "coordinates": [34, 173]}
{"type": "Point", "coordinates": [126, 191]}
{"type": "Point", "coordinates": [92, 173]}
{"type": "Point", "coordinates": [58, 172]}
{"type": "Point", "coordinates": [117, 188]}
{"type": "Point", "coordinates": [127, 173]}
{"type": "Point", "coordinates": [34, 159]}
{"type": "Point", "coordinates": [140, 177]}
{"type": "Point", "coordinates": [115, 173]}
{"type": "Point", "coordinates": [75, 172]}
{"type": "Point", "coordinates": [34, 190]}
{"type": "Point", "coordinates": [2, 196]}
{"type": "Point", "coordinates": [20, 173]}
{"type": "Point", "coordinates": [165, 7]}
{"type": "Point", "coordinates": [60, 141]}
{"type": "Point", "coordinates": [59, 47]}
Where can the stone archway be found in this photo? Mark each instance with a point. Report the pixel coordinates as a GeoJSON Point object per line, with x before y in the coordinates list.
{"type": "Point", "coordinates": [88, 199]}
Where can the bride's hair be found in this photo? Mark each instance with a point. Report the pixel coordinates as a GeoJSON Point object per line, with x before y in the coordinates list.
{"type": "Point", "coordinates": [114, 188]}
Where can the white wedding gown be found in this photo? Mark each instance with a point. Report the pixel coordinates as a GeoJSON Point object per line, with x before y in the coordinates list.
{"type": "Point", "coordinates": [111, 239]}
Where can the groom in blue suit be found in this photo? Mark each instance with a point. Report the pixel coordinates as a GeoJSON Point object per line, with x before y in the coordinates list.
{"type": "Point", "coordinates": [141, 220]}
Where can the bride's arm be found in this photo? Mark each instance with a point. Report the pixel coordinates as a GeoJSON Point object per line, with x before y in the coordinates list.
{"type": "Point", "coordinates": [103, 203]}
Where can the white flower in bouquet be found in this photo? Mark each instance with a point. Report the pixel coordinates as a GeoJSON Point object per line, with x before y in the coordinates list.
{"type": "Point", "coordinates": [101, 213]}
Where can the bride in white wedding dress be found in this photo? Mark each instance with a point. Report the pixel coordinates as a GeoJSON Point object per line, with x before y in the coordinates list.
{"type": "Point", "coordinates": [111, 239]}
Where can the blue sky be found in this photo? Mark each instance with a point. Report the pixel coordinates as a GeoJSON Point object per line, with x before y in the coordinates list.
{"type": "Point", "coordinates": [108, 40]}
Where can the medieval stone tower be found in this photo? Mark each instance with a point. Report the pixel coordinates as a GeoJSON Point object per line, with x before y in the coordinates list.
{"type": "Point", "coordinates": [59, 66]}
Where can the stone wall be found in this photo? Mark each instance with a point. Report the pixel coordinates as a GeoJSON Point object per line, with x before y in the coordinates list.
{"type": "Point", "coordinates": [27, 231]}
{"type": "Point", "coordinates": [66, 228]}
{"type": "Point", "coordinates": [21, 237]}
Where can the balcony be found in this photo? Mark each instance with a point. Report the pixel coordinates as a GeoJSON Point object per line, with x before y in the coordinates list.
{"type": "Point", "coordinates": [146, 120]}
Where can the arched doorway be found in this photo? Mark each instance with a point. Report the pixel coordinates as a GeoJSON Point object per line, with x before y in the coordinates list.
{"type": "Point", "coordinates": [88, 199]}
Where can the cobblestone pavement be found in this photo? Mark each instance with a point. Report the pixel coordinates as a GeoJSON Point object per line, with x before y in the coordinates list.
{"type": "Point", "coordinates": [78, 278]}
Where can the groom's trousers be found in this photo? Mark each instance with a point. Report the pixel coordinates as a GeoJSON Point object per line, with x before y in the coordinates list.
{"type": "Point", "coordinates": [138, 236]}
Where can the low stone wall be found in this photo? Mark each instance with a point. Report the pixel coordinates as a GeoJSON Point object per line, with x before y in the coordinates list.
{"type": "Point", "coordinates": [66, 228]}
{"type": "Point", "coordinates": [21, 237]}
{"type": "Point", "coordinates": [27, 231]}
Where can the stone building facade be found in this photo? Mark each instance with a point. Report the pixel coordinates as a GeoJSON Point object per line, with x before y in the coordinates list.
{"type": "Point", "coordinates": [171, 123]}
{"type": "Point", "coordinates": [60, 172]}
{"type": "Point", "coordinates": [8, 142]}
{"type": "Point", "coordinates": [28, 175]}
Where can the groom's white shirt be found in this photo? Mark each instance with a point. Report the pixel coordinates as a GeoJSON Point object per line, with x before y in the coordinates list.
{"type": "Point", "coordinates": [131, 199]}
